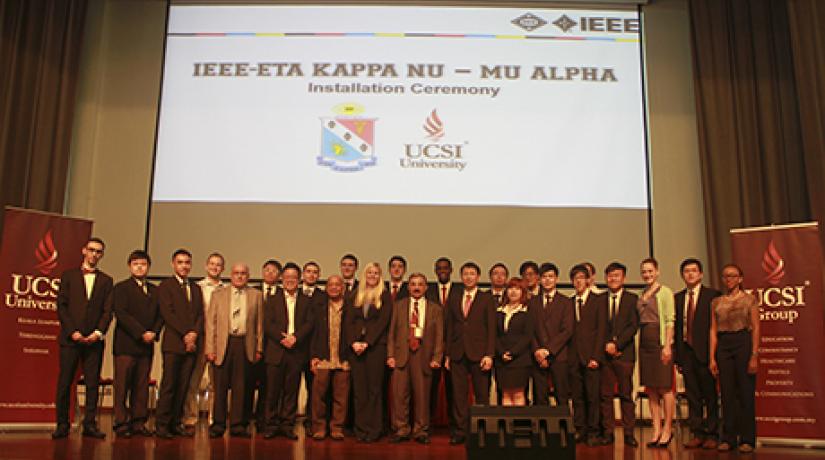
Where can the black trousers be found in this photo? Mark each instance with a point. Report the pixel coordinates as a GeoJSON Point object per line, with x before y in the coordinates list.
{"type": "Point", "coordinates": [462, 371]}
{"type": "Point", "coordinates": [232, 373]}
{"type": "Point", "coordinates": [256, 386]}
{"type": "Point", "coordinates": [177, 370]}
{"type": "Point", "coordinates": [91, 358]}
{"type": "Point", "coordinates": [700, 390]}
{"type": "Point", "coordinates": [733, 351]}
{"type": "Point", "coordinates": [367, 387]}
{"type": "Point", "coordinates": [584, 386]}
{"type": "Point", "coordinates": [616, 378]}
{"type": "Point", "coordinates": [132, 385]}
{"type": "Point", "coordinates": [437, 375]}
{"type": "Point", "coordinates": [283, 382]}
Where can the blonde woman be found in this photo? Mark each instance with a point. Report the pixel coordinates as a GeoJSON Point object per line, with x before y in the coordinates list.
{"type": "Point", "coordinates": [657, 313]}
{"type": "Point", "coordinates": [368, 324]}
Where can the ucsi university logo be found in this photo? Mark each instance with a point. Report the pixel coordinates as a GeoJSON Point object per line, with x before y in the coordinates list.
{"type": "Point", "coordinates": [434, 153]}
{"type": "Point", "coordinates": [778, 302]}
{"type": "Point", "coordinates": [30, 291]}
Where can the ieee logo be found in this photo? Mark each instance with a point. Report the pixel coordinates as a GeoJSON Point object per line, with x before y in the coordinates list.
{"type": "Point", "coordinates": [347, 140]}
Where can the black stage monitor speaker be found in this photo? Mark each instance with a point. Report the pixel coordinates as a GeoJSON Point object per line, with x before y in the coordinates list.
{"type": "Point", "coordinates": [520, 433]}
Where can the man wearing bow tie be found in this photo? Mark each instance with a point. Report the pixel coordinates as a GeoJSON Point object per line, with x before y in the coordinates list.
{"type": "Point", "coordinates": [181, 306]}
{"type": "Point", "coordinates": [84, 307]}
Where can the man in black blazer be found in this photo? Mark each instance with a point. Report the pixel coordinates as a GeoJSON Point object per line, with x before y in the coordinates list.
{"type": "Point", "coordinates": [138, 327]}
{"type": "Point", "coordinates": [396, 286]}
{"type": "Point", "coordinates": [84, 307]}
{"type": "Point", "coordinates": [499, 275]}
{"type": "Point", "coordinates": [288, 325]}
{"type": "Point", "coordinates": [587, 355]}
{"type": "Point", "coordinates": [553, 313]}
{"type": "Point", "coordinates": [620, 354]}
{"type": "Point", "coordinates": [348, 266]}
{"type": "Point", "coordinates": [692, 329]}
{"type": "Point", "coordinates": [471, 342]}
{"type": "Point", "coordinates": [181, 306]}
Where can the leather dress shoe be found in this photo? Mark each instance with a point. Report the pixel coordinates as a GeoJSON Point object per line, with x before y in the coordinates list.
{"type": "Point", "coordinates": [240, 433]}
{"type": "Point", "coordinates": [289, 434]}
{"type": "Point", "coordinates": [579, 437]}
{"type": "Point", "coordinates": [607, 440]}
{"type": "Point", "coordinates": [709, 444]}
{"type": "Point", "coordinates": [163, 433]}
{"type": "Point", "coordinates": [630, 441]}
{"type": "Point", "coordinates": [457, 439]}
{"type": "Point", "coordinates": [181, 430]}
{"type": "Point", "coordinates": [423, 439]}
{"type": "Point", "coordinates": [395, 439]}
{"type": "Point", "coordinates": [124, 433]}
{"type": "Point", "coordinates": [92, 431]}
{"type": "Point", "coordinates": [142, 431]}
{"type": "Point", "coordinates": [61, 432]}
{"type": "Point", "coordinates": [337, 436]}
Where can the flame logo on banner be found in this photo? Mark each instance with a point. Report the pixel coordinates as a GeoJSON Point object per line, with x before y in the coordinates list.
{"type": "Point", "coordinates": [46, 254]}
{"type": "Point", "coordinates": [773, 264]}
{"type": "Point", "coordinates": [434, 126]}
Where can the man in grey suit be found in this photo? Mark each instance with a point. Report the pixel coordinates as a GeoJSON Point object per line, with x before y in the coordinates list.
{"type": "Point", "coordinates": [234, 340]}
{"type": "Point", "coordinates": [414, 348]}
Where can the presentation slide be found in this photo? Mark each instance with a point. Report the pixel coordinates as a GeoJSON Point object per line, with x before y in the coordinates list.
{"type": "Point", "coordinates": [402, 106]}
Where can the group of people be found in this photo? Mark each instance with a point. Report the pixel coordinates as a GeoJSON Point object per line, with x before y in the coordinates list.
{"type": "Point", "coordinates": [359, 343]}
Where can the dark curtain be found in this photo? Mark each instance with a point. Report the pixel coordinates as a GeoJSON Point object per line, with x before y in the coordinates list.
{"type": "Point", "coordinates": [760, 137]}
{"type": "Point", "coordinates": [39, 61]}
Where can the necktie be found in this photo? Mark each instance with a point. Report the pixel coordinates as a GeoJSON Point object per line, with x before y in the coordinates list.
{"type": "Point", "coordinates": [578, 309]}
{"type": "Point", "coordinates": [612, 308]}
{"type": "Point", "coordinates": [142, 285]}
{"type": "Point", "coordinates": [547, 300]}
{"type": "Point", "coordinates": [88, 271]}
{"type": "Point", "coordinates": [236, 310]}
{"type": "Point", "coordinates": [689, 320]}
{"type": "Point", "coordinates": [184, 285]}
{"type": "Point", "coordinates": [414, 341]}
{"type": "Point", "coordinates": [444, 296]}
{"type": "Point", "coordinates": [268, 292]}
{"type": "Point", "coordinates": [468, 300]}
{"type": "Point", "coordinates": [308, 292]}
{"type": "Point", "coordinates": [394, 292]}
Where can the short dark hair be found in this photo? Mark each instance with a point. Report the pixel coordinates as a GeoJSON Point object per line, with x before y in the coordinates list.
{"type": "Point", "coordinates": [139, 254]}
{"type": "Point", "coordinates": [444, 259]}
{"type": "Point", "coordinates": [274, 263]}
{"type": "Point", "coordinates": [548, 267]}
{"type": "Point", "coordinates": [181, 251]}
{"type": "Point", "coordinates": [472, 265]}
{"type": "Point", "coordinates": [615, 266]}
{"type": "Point", "coordinates": [398, 258]}
{"type": "Point", "coordinates": [496, 265]}
{"type": "Point", "coordinates": [650, 260]}
{"type": "Point", "coordinates": [690, 261]}
{"type": "Point", "coordinates": [312, 263]}
{"type": "Point", "coordinates": [218, 255]}
{"type": "Point", "coordinates": [350, 257]}
{"type": "Point", "coordinates": [579, 268]}
{"type": "Point", "coordinates": [591, 269]}
{"type": "Point", "coordinates": [94, 239]}
{"type": "Point", "coordinates": [291, 266]}
{"type": "Point", "coordinates": [528, 264]}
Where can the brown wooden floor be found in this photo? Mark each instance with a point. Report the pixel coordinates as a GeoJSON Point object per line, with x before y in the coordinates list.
{"type": "Point", "coordinates": [39, 446]}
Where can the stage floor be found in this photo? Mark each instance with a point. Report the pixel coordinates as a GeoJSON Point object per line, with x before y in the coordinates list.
{"type": "Point", "coordinates": [40, 446]}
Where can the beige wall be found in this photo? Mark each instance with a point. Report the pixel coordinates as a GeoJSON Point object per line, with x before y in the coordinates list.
{"type": "Point", "coordinates": [118, 92]}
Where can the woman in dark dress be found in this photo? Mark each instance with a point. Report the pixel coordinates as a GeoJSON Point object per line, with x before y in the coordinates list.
{"type": "Point", "coordinates": [514, 334]}
{"type": "Point", "coordinates": [369, 321]}
{"type": "Point", "coordinates": [657, 314]}
{"type": "Point", "coordinates": [734, 354]}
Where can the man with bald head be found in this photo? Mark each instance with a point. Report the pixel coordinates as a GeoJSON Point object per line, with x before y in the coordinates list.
{"type": "Point", "coordinates": [234, 341]}
{"type": "Point", "coordinates": [328, 361]}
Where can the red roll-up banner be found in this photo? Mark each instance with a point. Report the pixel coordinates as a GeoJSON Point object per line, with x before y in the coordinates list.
{"type": "Point", "coordinates": [783, 269]}
{"type": "Point", "coordinates": [36, 248]}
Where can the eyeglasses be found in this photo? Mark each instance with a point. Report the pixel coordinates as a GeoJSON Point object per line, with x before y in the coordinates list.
{"type": "Point", "coordinates": [730, 276]}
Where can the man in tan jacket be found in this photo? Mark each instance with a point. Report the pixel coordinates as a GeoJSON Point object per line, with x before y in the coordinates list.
{"type": "Point", "coordinates": [233, 343]}
{"type": "Point", "coordinates": [414, 348]}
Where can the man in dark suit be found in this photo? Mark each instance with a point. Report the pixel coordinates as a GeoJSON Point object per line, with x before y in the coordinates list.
{"type": "Point", "coordinates": [310, 273]}
{"type": "Point", "coordinates": [397, 267]}
{"type": "Point", "coordinates": [256, 406]}
{"type": "Point", "coordinates": [233, 341]}
{"type": "Point", "coordinates": [499, 274]}
{"type": "Point", "coordinates": [553, 313]}
{"type": "Point", "coordinates": [587, 354]}
{"type": "Point", "coordinates": [620, 355]}
{"type": "Point", "coordinates": [692, 329]}
{"type": "Point", "coordinates": [288, 325]}
{"type": "Point", "coordinates": [471, 341]}
{"type": "Point", "coordinates": [138, 327]}
{"type": "Point", "coordinates": [529, 271]}
{"type": "Point", "coordinates": [181, 306]}
{"type": "Point", "coordinates": [414, 349]}
{"type": "Point", "coordinates": [328, 361]}
{"type": "Point", "coordinates": [84, 307]}
{"type": "Point", "coordinates": [348, 266]}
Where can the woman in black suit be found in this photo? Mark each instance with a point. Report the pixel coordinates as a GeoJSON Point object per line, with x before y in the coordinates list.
{"type": "Point", "coordinates": [513, 339]}
{"type": "Point", "coordinates": [368, 324]}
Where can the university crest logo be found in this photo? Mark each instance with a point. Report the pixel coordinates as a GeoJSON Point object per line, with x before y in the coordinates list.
{"type": "Point", "coordinates": [348, 139]}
